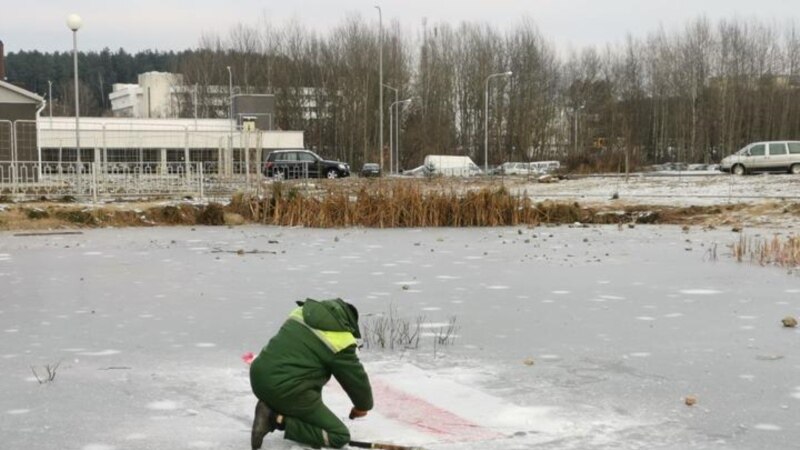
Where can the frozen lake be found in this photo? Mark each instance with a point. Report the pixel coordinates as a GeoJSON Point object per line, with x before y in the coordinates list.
{"type": "Point", "coordinates": [620, 325]}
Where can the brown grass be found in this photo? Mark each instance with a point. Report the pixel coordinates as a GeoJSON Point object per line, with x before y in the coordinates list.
{"type": "Point", "coordinates": [382, 203]}
{"type": "Point", "coordinates": [783, 252]}
{"type": "Point", "coordinates": [398, 205]}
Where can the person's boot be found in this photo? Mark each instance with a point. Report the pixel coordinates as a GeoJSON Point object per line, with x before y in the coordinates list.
{"type": "Point", "coordinates": [263, 423]}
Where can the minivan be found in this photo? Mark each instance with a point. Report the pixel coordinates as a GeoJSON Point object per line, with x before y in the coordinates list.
{"type": "Point", "coordinates": [770, 156]}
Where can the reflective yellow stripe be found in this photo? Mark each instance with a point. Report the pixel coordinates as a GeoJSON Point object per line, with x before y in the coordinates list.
{"type": "Point", "coordinates": [334, 340]}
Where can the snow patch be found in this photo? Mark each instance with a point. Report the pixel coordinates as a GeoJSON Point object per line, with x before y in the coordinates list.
{"type": "Point", "coordinates": [135, 437]}
{"type": "Point", "coordinates": [205, 345]}
{"type": "Point", "coordinates": [497, 287]}
{"type": "Point", "coordinates": [767, 427]}
{"type": "Point", "coordinates": [163, 405]}
{"type": "Point", "coordinates": [434, 325]}
{"type": "Point", "coordinates": [98, 447]}
{"type": "Point", "coordinates": [699, 291]}
{"type": "Point", "coordinates": [107, 352]}
{"type": "Point", "coordinates": [17, 412]}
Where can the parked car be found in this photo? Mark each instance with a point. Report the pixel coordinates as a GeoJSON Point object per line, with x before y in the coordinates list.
{"type": "Point", "coordinates": [527, 168]}
{"type": "Point", "coordinates": [302, 163]}
{"type": "Point", "coordinates": [515, 168]}
{"type": "Point", "coordinates": [770, 156]}
{"type": "Point", "coordinates": [370, 170]}
{"type": "Point", "coordinates": [420, 171]}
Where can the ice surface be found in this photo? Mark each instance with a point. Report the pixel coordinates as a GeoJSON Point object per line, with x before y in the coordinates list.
{"type": "Point", "coordinates": [590, 341]}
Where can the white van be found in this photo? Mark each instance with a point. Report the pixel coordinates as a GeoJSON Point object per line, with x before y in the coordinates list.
{"type": "Point", "coordinates": [770, 156]}
{"type": "Point", "coordinates": [451, 166]}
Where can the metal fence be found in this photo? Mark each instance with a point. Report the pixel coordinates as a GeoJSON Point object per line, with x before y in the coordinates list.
{"type": "Point", "coordinates": [120, 161]}
{"type": "Point", "coordinates": [93, 180]}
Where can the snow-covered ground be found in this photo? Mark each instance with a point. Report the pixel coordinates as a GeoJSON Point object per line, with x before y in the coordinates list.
{"type": "Point", "coordinates": [667, 188]}
{"type": "Point", "coordinates": [576, 338]}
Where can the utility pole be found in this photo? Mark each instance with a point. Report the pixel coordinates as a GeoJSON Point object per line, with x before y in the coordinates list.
{"type": "Point", "coordinates": [380, 76]}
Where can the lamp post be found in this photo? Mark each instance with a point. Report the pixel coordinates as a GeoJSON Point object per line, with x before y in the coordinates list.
{"type": "Point", "coordinates": [380, 76]}
{"type": "Point", "coordinates": [390, 128]}
{"type": "Point", "coordinates": [50, 100]}
{"type": "Point", "coordinates": [398, 103]}
{"type": "Point", "coordinates": [230, 116]}
{"type": "Point", "coordinates": [486, 119]}
{"type": "Point", "coordinates": [74, 23]}
{"type": "Point", "coordinates": [577, 110]}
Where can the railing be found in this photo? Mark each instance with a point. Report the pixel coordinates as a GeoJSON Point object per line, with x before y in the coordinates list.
{"type": "Point", "coordinates": [289, 170]}
{"type": "Point", "coordinates": [91, 180]}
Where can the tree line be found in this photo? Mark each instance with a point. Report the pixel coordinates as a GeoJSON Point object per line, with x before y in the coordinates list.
{"type": "Point", "coordinates": [691, 95]}
{"type": "Point", "coordinates": [98, 71]}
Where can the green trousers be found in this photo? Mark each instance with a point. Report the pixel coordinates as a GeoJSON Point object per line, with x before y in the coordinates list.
{"type": "Point", "coordinates": [307, 420]}
{"type": "Point", "coordinates": [317, 428]}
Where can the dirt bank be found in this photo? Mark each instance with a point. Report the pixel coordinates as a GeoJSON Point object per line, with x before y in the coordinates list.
{"type": "Point", "coordinates": [405, 203]}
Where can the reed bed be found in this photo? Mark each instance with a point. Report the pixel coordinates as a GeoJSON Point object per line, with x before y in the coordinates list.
{"type": "Point", "coordinates": [398, 205]}
{"type": "Point", "coordinates": [783, 252]}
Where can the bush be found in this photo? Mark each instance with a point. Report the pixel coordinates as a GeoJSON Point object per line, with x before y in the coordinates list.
{"type": "Point", "coordinates": [76, 216]}
{"type": "Point", "coordinates": [212, 214]}
{"type": "Point", "coordinates": [36, 213]}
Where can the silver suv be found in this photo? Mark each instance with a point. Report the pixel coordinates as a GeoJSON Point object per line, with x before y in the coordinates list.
{"type": "Point", "coordinates": [770, 156]}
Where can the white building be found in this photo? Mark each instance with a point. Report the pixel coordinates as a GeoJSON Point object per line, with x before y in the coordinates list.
{"type": "Point", "coordinates": [130, 140]}
{"type": "Point", "coordinates": [157, 95]}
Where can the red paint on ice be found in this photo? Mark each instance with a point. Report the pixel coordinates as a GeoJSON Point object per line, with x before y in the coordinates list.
{"type": "Point", "coordinates": [426, 417]}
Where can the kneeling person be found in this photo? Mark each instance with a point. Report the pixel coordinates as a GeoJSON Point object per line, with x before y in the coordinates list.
{"type": "Point", "coordinates": [316, 341]}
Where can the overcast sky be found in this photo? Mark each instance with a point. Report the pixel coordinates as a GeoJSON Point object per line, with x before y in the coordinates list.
{"type": "Point", "coordinates": [178, 24]}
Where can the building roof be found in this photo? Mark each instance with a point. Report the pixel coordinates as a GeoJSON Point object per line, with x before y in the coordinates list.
{"type": "Point", "coordinates": [17, 94]}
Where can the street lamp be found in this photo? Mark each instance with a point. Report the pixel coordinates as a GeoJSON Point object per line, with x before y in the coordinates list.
{"type": "Point", "coordinates": [486, 119]}
{"type": "Point", "coordinates": [50, 100]}
{"type": "Point", "coordinates": [397, 153]}
{"type": "Point", "coordinates": [380, 75]}
{"type": "Point", "coordinates": [390, 128]}
{"type": "Point", "coordinates": [577, 110]}
{"type": "Point", "coordinates": [230, 116]}
{"type": "Point", "coordinates": [74, 23]}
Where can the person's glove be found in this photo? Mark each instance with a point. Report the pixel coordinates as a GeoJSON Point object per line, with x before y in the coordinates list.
{"type": "Point", "coordinates": [356, 413]}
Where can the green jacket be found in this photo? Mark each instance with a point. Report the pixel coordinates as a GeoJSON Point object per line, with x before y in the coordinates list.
{"type": "Point", "coordinates": [317, 341]}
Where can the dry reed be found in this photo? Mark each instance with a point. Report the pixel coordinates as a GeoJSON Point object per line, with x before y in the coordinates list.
{"type": "Point", "coordinates": [406, 204]}
{"type": "Point", "coordinates": [763, 251]}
